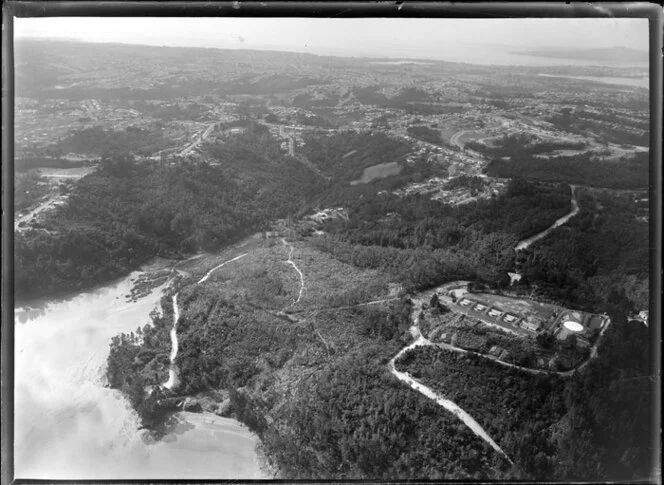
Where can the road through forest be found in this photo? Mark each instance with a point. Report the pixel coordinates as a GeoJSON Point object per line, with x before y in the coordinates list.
{"type": "Point", "coordinates": [559, 222]}
{"type": "Point", "coordinates": [449, 405]}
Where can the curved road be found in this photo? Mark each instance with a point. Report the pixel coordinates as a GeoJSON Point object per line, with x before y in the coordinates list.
{"type": "Point", "coordinates": [405, 377]}
{"type": "Point", "coordinates": [451, 406]}
{"type": "Point", "coordinates": [593, 354]}
{"type": "Point", "coordinates": [559, 222]}
{"type": "Point", "coordinates": [454, 139]}
{"type": "Point", "coordinates": [413, 383]}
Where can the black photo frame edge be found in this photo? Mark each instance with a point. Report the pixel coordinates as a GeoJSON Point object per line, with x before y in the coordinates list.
{"type": "Point", "coordinates": [179, 8]}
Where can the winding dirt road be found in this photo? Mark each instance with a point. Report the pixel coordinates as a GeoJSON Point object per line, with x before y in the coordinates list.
{"type": "Point", "coordinates": [413, 383]}
{"type": "Point", "coordinates": [468, 420]}
{"type": "Point", "coordinates": [405, 377]}
{"type": "Point", "coordinates": [292, 263]}
{"type": "Point", "coordinates": [559, 222]}
{"type": "Point", "coordinates": [173, 379]}
{"type": "Point", "coordinates": [368, 303]}
{"type": "Point", "coordinates": [451, 406]}
{"type": "Point", "coordinates": [209, 273]}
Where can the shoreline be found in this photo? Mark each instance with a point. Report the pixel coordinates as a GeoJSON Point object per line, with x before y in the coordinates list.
{"type": "Point", "coordinates": [201, 438]}
{"type": "Point", "coordinates": [196, 432]}
{"type": "Point", "coordinates": [44, 301]}
{"type": "Point", "coordinates": [207, 411]}
{"type": "Point", "coordinates": [148, 264]}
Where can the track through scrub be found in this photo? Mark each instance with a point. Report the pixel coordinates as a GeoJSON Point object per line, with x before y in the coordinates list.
{"type": "Point", "coordinates": [209, 273]}
{"type": "Point", "coordinates": [292, 263]}
{"type": "Point", "coordinates": [173, 379]}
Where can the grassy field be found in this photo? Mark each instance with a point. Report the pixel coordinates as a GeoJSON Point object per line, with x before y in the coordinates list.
{"type": "Point", "coordinates": [379, 171]}
{"type": "Point", "coordinates": [65, 173]}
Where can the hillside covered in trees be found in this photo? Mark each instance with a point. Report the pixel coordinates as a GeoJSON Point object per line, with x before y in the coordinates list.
{"type": "Point", "coordinates": [127, 212]}
{"type": "Point", "coordinates": [426, 243]}
{"type": "Point", "coordinates": [315, 385]}
{"type": "Point", "coordinates": [599, 257]}
{"type": "Point", "coordinates": [516, 156]}
{"type": "Point", "coordinates": [552, 427]}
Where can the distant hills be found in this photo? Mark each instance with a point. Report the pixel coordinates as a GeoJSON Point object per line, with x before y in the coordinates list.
{"type": "Point", "coordinates": [610, 54]}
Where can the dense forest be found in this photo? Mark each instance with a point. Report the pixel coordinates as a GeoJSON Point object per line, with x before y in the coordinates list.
{"type": "Point", "coordinates": [99, 141]}
{"type": "Point", "coordinates": [156, 209]}
{"type": "Point", "coordinates": [275, 83]}
{"type": "Point", "coordinates": [427, 243]}
{"type": "Point", "coordinates": [126, 212]}
{"type": "Point", "coordinates": [412, 100]}
{"type": "Point", "coordinates": [601, 253]}
{"type": "Point", "coordinates": [121, 215]}
{"type": "Point", "coordinates": [579, 169]}
{"type": "Point", "coordinates": [523, 145]}
{"type": "Point", "coordinates": [138, 360]}
{"type": "Point", "coordinates": [608, 430]}
{"type": "Point", "coordinates": [45, 90]}
{"type": "Point", "coordinates": [372, 95]}
{"type": "Point", "coordinates": [591, 426]}
{"type": "Point", "coordinates": [515, 156]}
{"type": "Point", "coordinates": [609, 128]}
{"type": "Point", "coordinates": [426, 134]}
{"type": "Point", "coordinates": [517, 409]}
{"type": "Point", "coordinates": [356, 421]}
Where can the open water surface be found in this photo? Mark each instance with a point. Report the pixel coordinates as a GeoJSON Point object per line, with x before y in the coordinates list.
{"type": "Point", "coordinates": [68, 425]}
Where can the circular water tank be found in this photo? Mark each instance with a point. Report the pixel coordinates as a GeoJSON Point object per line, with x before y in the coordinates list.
{"type": "Point", "coordinates": [573, 326]}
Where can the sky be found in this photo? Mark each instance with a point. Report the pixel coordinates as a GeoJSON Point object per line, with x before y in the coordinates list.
{"type": "Point", "coordinates": [375, 37]}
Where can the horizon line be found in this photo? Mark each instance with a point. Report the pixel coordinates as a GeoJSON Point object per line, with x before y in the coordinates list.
{"type": "Point", "coordinates": [284, 50]}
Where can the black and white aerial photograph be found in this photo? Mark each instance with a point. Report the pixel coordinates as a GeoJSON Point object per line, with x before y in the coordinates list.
{"type": "Point", "coordinates": [329, 245]}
